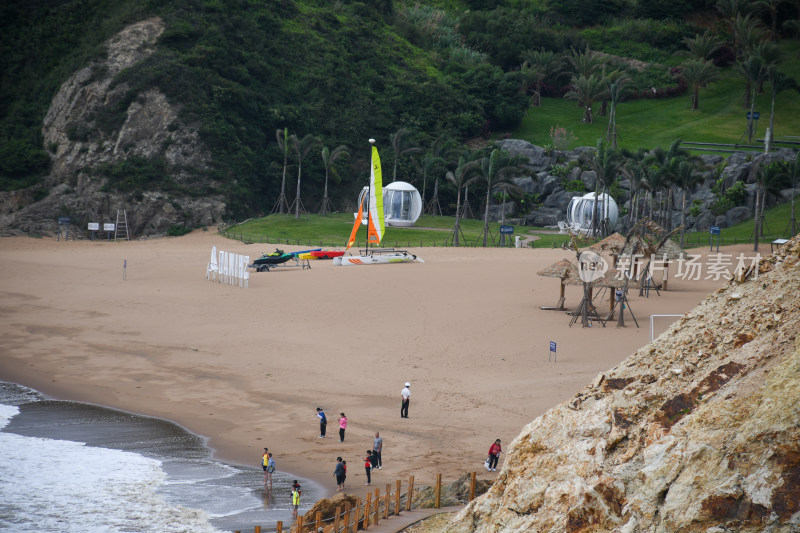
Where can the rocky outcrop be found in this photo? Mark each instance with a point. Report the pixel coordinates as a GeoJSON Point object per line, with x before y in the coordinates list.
{"type": "Point", "coordinates": [93, 121]}
{"type": "Point", "coordinates": [549, 187]}
{"type": "Point", "coordinates": [699, 431]}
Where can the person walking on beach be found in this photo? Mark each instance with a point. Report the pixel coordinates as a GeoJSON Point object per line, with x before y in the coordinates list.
{"type": "Point", "coordinates": [323, 422]}
{"type": "Point", "coordinates": [368, 466]}
{"type": "Point", "coordinates": [270, 469]}
{"type": "Point", "coordinates": [265, 463]}
{"type": "Point", "coordinates": [295, 500]}
{"type": "Point", "coordinates": [405, 398]}
{"type": "Point", "coordinates": [377, 448]}
{"type": "Point", "coordinates": [338, 472]}
{"type": "Point", "coordinates": [342, 426]}
{"type": "Point", "coordinates": [494, 454]}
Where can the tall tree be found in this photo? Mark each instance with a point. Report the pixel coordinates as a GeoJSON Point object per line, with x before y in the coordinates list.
{"type": "Point", "coordinates": [778, 82]}
{"type": "Point", "coordinates": [497, 170]}
{"type": "Point", "coordinates": [605, 161]}
{"type": "Point", "coordinates": [301, 149]}
{"type": "Point", "coordinates": [328, 159]}
{"type": "Point", "coordinates": [753, 69]}
{"type": "Point", "coordinates": [616, 89]}
{"type": "Point", "coordinates": [462, 175]}
{"type": "Point", "coordinates": [687, 177]}
{"type": "Point", "coordinates": [282, 206]}
{"type": "Point", "coordinates": [402, 143]}
{"type": "Point", "coordinates": [698, 74]}
{"type": "Point", "coordinates": [433, 161]}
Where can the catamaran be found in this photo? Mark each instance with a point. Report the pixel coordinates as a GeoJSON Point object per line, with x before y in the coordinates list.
{"type": "Point", "coordinates": [375, 225]}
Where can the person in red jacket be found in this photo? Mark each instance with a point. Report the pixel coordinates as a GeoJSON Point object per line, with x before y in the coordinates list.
{"type": "Point", "coordinates": [494, 454]}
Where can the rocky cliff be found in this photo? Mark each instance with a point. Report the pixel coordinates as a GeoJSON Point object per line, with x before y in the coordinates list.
{"type": "Point", "coordinates": [545, 180]}
{"type": "Point", "coordinates": [93, 122]}
{"type": "Point", "coordinates": [698, 431]}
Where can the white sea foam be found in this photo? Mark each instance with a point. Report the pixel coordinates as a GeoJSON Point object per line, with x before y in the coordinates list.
{"type": "Point", "coordinates": [63, 486]}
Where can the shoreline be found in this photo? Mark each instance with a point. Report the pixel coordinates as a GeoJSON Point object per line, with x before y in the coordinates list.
{"type": "Point", "coordinates": [246, 368]}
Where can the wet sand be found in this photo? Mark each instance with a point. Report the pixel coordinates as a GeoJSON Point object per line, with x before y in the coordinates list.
{"type": "Point", "coordinates": [247, 367]}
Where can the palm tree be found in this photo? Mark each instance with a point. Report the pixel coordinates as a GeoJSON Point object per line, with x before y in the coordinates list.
{"type": "Point", "coordinates": [792, 171]}
{"type": "Point", "coordinates": [768, 177]}
{"type": "Point", "coordinates": [687, 178]}
{"type": "Point", "coordinates": [701, 46]}
{"type": "Point", "coordinates": [497, 169]}
{"type": "Point", "coordinates": [301, 149]}
{"type": "Point", "coordinates": [432, 161]}
{"type": "Point", "coordinates": [402, 144]}
{"type": "Point", "coordinates": [605, 161]}
{"type": "Point", "coordinates": [749, 34]}
{"type": "Point", "coordinates": [698, 75]}
{"type": "Point", "coordinates": [586, 91]}
{"type": "Point", "coordinates": [585, 63]}
{"type": "Point", "coordinates": [460, 177]}
{"type": "Point", "coordinates": [616, 89]}
{"type": "Point", "coordinates": [328, 159]}
{"type": "Point", "coordinates": [771, 8]}
{"type": "Point", "coordinates": [754, 71]}
{"type": "Point", "coordinates": [282, 205]}
{"type": "Point", "coordinates": [538, 66]}
{"type": "Point", "coordinates": [778, 82]}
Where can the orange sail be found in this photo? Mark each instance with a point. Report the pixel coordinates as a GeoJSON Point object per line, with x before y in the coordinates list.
{"type": "Point", "coordinates": [352, 239]}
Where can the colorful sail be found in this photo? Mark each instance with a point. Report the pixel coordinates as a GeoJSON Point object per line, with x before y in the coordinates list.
{"type": "Point", "coordinates": [352, 240]}
{"type": "Point", "coordinates": [376, 221]}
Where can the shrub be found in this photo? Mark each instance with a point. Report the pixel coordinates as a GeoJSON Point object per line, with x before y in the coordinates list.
{"type": "Point", "coordinates": [177, 230]}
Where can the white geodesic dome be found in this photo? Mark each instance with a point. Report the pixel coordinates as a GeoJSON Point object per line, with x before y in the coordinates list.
{"type": "Point", "coordinates": [581, 210]}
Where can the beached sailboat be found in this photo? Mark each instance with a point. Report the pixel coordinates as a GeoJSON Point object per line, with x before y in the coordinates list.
{"type": "Point", "coordinates": [375, 225]}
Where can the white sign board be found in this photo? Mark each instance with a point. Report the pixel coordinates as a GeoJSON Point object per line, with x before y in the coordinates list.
{"type": "Point", "coordinates": [94, 226]}
{"type": "Point", "coordinates": [108, 227]}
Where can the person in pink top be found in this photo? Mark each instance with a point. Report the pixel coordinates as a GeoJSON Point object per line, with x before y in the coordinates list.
{"type": "Point", "coordinates": [494, 454]}
{"type": "Point", "coordinates": [342, 426]}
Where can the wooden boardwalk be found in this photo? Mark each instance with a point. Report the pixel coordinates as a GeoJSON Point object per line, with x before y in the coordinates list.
{"type": "Point", "coordinates": [393, 524]}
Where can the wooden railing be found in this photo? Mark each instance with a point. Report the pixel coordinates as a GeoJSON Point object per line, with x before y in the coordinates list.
{"type": "Point", "coordinates": [375, 507]}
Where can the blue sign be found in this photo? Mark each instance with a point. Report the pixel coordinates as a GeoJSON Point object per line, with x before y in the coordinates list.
{"type": "Point", "coordinates": [714, 230]}
{"type": "Point", "coordinates": [755, 115]}
{"type": "Point", "coordinates": [552, 346]}
{"type": "Point", "coordinates": [508, 230]}
{"type": "Point", "coordinates": [63, 220]}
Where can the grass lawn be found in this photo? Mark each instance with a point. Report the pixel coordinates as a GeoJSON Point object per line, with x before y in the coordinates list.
{"type": "Point", "coordinates": [334, 230]}
{"type": "Point", "coordinates": [649, 123]}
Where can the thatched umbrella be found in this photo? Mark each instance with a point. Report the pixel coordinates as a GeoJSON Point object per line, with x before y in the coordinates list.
{"type": "Point", "coordinates": [567, 272]}
{"type": "Point", "coordinates": [669, 251]}
{"type": "Point", "coordinates": [611, 245]}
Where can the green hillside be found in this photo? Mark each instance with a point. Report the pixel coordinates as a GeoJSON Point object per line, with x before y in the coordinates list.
{"type": "Point", "coordinates": [349, 70]}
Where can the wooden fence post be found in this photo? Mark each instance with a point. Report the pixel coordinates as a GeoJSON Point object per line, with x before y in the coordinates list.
{"type": "Point", "coordinates": [318, 521]}
{"type": "Point", "coordinates": [299, 523]}
{"type": "Point", "coordinates": [397, 498]}
{"type": "Point", "coordinates": [336, 519]}
{"type": "Point", "coordinates": [258, 529]}
{"type": "Point", "coordinates": [438, 493]}
{"type": "Point", "coordinates": [472, 486]}
{"type": "Point", "coordinates": [346, 524]}
{"type": "Point", "coordinates": [410, 492]}
{"type": "Point", "coordinates": [358, 511]}
{"type": "Point", "coordinates": [388, 501]}
{"type": "Point", "coordinates": [279, 526]}
{"type": "Point", "coordinates": [377, 505]}
{"type": "Point", "coordinates": [366, 511]}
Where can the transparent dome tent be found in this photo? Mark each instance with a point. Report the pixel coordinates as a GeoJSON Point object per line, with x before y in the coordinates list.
{"type": "Point", "coordinates": [402, 203]}
{"type": "Point", "coordinates": [581, 210]}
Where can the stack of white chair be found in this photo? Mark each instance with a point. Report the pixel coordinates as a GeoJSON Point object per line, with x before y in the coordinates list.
{"type": "Point", "coordinates": [213, 267]}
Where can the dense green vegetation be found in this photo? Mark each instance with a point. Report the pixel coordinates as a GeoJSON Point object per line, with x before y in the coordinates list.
{"type": "Point", "coordinates": [349, 70]}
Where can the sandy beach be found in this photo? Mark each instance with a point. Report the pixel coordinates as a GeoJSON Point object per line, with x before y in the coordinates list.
{"type": "Point", "coordinates": [247, 367]}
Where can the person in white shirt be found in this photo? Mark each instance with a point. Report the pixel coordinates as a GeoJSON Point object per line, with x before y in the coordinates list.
{"type": "Point", "coordinates": [405, 396]}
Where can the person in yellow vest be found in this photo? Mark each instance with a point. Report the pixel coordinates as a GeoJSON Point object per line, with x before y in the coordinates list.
{"type": "Point", "coordinates": [295, 501]}
{"type": "Point", "coordinates": [265, 464]}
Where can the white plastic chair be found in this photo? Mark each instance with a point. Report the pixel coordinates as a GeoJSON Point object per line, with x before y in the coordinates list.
{"type": "Point", "coordinates": [562, 226]}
